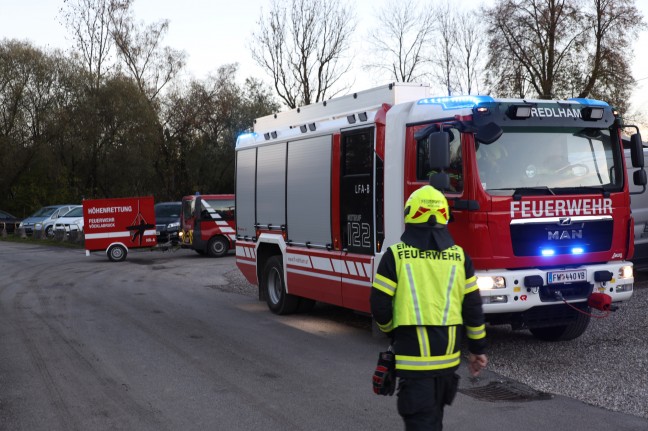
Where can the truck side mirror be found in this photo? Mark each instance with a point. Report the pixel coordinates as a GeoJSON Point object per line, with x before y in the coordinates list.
{"type": "Point", "coordinates": [636, 150]}
{"type": "Point", "coordinates": [639, 177]}
{"type": "Point", "coordinates": [439, 150]}
{"type": "Point", "coordinates": [439, 159]}
{"type": "Point", "coordinates": [440, 181]}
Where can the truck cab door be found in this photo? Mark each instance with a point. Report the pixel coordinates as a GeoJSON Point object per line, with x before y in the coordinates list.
{"type": "Point", "coordinates": [187, 220]}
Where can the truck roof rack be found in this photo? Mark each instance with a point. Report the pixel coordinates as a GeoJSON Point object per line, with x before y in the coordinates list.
{"type": "Point", "coordinates": [362, 101]}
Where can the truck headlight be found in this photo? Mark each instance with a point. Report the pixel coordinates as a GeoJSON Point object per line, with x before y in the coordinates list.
{"type": "Point", "coordinates": [626, 272]}
{"type": "Point", "coordinates": [491, 282]}
{"type": "Point", "coordinates": [175, 224]}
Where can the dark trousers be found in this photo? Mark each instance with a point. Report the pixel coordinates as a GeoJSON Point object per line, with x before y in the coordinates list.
{"type": "Point", "coordinates": [421, 401]}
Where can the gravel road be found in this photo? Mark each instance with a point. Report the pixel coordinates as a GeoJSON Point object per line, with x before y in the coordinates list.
{"type": "Point", "coordinates": [607, 366]}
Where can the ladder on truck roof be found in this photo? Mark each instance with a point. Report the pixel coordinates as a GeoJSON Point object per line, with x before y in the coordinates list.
{"type": "Point", "coordinates": [362, 101]}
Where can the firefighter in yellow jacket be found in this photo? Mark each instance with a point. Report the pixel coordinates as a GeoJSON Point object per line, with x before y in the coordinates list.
{"type": "Point", "coordinates": [425, 295]}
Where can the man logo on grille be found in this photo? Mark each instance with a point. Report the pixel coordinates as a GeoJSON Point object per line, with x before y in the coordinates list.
{"type": "Point", "coordinates": [565, 221]}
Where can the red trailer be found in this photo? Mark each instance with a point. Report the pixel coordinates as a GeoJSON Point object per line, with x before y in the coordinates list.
{"type": "Point", "coordinates": [119, 224]}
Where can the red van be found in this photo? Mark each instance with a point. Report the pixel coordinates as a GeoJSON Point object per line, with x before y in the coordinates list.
{"type": "Point", "coordinates": [208, 224]}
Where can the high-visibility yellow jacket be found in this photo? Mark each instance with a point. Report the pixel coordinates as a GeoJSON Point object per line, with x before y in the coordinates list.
{"type": "Point", "coordinates": [426, 298]}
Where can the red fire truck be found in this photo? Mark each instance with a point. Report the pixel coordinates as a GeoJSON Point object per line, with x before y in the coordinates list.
{"type": "Point", "coordinates": [538, 192]}
{"type": "Point", "coordinates": [207, 224]}
{"type": "Point", "coordinates": [117, 225]}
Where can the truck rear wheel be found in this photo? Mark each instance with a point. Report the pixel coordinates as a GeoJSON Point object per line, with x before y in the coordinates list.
{"type": "Point", "coordinates": [567, 332]}
{"type": "Point", "coordinates": [117, 253]}
{"type": "Point", "coordinates": [217, 247]}
{"type": "Point", "coordinates": [278, 300]}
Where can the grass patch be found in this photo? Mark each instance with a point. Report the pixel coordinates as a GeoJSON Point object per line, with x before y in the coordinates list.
{"type": "Point", "coordinates": [47, 242]}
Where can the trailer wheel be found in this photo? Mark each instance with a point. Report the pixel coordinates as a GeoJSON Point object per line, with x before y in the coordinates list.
{"type": "Point", "coordinates": [117, 253]}
{"type": "Point", "coordinates": [217, 247]}
{"type": "Point", "coordinates": [566, 332]}
{"type": "Point", "coordinates": [274, 285]}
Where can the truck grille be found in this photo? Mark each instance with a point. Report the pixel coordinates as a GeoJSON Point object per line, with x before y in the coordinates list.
{"type": "Point", "coordinates": [530, 239]}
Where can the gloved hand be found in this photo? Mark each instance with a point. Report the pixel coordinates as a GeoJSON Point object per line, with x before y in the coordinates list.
{"type": "Point", "coordinates": [384, 377]}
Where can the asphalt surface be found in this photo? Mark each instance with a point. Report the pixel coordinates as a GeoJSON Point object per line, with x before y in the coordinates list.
{"type": "Point", "coordinates": [176, 341]}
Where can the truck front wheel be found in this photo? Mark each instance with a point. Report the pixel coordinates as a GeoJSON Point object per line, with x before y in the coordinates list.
{"type": "Point", "coordinates": [217, 247]}
{"type": "Point", "coordinates": [278, 300]}
{"type": "Point", "coordinates": [567, 332]}
{"type": "Point", "coordinates": [117, 253]}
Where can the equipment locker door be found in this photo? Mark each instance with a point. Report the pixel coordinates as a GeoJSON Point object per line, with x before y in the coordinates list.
{"type": "Point", "coordinates": [356, 191]}
{"type": "Point", "coordinates": [357, 214]}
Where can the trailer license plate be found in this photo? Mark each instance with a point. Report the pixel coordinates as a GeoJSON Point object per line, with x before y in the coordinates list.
{"type": "Point", "coordinates": [566, 276]}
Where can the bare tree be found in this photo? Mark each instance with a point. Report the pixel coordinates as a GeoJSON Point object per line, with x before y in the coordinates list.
{"type": "Point", "coordinates": [401, 40]}
{"type": "Point", "coordinates": [540, 35]}
{"type": "Point", "coordinates": [612, 27]}
{"type": "Point", "coordinates": [301, 44]}
{"type": "Point", "coordinates": [470, 45]}
{"type": "Point", "coordinates": [444, 55]}
{"type": "Point", "coordinates": [437, 42]}
{"type": "Point", "coordinates": [564, 47]}
{"type": "Point", "coordinates": [90, 24]}
{"type": "Point", "coordinates": [152, 65]}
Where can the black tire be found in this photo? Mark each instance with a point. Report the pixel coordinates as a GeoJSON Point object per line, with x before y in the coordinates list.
{"type": "Point", "coordinates": [217, 247]}
{"type": "Point", "coordinates": [49, 232]}
{"type": "Point", "coordinates": [274, 286]}
{"type": "Point", "coordinates": [567, 332]}
{"type": "Point", "coordinates": [117, 253]}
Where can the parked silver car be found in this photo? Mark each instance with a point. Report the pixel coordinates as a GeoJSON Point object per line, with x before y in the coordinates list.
{"type": "Point", "coordinates": [72, 220]}
{"type": "Point", "coordinates": [43, 220]}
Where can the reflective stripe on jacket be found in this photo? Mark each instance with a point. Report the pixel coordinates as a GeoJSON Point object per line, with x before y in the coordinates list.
{"type": "Point", "coordinates": [431, 286]}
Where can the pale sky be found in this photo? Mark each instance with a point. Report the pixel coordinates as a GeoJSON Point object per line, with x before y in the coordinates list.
{"type": "Point", "coordinates": [217, 32]}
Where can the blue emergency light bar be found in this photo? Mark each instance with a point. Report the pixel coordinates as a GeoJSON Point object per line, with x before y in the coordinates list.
{"type": "Point", "coordinates": [588, 102]}
{"type": "Point", "coordinates": [459, 102]}
{"type": "Point", "coordinates": [247, 135]}
{"type": "Point", "coordinates": [456, 102]}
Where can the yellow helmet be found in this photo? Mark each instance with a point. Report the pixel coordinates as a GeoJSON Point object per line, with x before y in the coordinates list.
{"type": "Point", "coordinates": [425, 203]}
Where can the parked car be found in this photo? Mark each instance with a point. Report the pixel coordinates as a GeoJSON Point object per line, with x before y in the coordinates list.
{"type": "Point", "coordinates": [44, 219]}
{"type": "Point", "coordinates": [167, 221]}
{"type": "Point", "coordinates": [8, 221]}
{"type": "Point", "coordinates": [71, 220]}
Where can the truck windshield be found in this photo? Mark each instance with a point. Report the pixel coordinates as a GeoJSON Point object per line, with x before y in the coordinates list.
{"type": "Point", "coordinates": [550, 159]}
